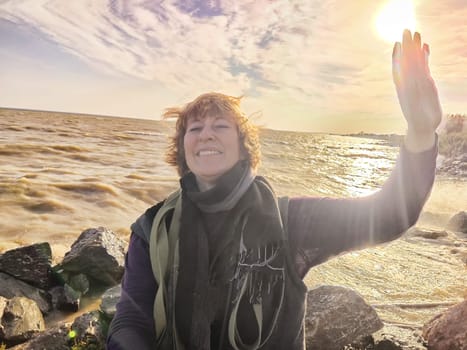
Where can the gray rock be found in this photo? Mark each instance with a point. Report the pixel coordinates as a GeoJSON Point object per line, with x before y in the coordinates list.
{"type": "Point", "coordinates": [11, 287]}
{"type": "Point", "coordinates": [80, 283]}
{"type": "Point", "coordinates": [30, 264]}
{"type": "Point", "coordinates": [399, 337]}
{"type": "Point", "coordinates": [3, 302]}
{"type": "Point", "coordinates": [64, 298]}
{"type": "Point", "coordinates": [55, 338]}
{"type": "Point", "coordinates": [448, 330]}
{"type": "Point", "coordinates": [88, 331]}
{"type": "Point", "coordinates": [99, 254]}
{"type": "Point", "coordinates": [426, 233]}
{"type": "Point", "coordinates": [458, 222]}
{"type": "Point", "coordinates": [389, 344]}
{"type": "Point", "coordinates": [337, 316]}
{"type": "Point", "coordinates": [20, 321]}
{"type": "Point", "coordinates": [109, 301]}
{"type": "Point", "coordinates": [91, 329]}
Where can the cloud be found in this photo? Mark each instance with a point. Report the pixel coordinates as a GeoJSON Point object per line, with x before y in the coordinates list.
{"type": "Point", "coordinates": [321, 56]}
{"type": "Point", "coordinates": [244, 45]}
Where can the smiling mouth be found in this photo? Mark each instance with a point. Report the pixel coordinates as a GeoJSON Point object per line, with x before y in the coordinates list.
{"type": "Point", "coordinates": [209, 152]}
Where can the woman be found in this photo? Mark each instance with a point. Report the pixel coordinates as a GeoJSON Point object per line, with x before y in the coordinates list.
{"type": "Point", "coordinates": [219, 264]}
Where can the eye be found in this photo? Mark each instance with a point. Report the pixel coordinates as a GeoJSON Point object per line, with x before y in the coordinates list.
{"type": "Point", "coordinates": [195, 127]}
{"type": "Point", "coordinates": [222, 126]}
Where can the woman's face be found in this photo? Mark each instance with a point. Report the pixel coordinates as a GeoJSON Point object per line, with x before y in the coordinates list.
{"type": "Point", "coordinates": [212, 147]}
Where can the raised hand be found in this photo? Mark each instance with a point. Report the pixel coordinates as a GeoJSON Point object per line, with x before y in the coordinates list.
{"type": "Point", "coordinates": [416, 90]}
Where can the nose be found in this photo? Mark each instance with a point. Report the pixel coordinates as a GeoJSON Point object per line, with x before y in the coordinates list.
{"type": "Point", "coordinates": [206, 133]}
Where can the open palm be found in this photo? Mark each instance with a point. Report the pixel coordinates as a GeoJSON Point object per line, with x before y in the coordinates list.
{"type": "Point", "coordinates": [416, 90]}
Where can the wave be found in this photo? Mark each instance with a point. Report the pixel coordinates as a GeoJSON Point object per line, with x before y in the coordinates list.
{"type": "Point", "coordinates": [30, 149]}
{"type": "Point", "coordinates": [87, 188]}
{"type": "Point", "coordinates": [136, 177]}
{"type": "Point", "coordinates": [48, 206]}
{"type": "Point", "coordinates": [69, 148]}
{"type": "Point", "coordinates": [57, 171]}
{"type": "Point", "coordinates": [80, 157]}
{"type": "Point", "coordinates": [145, 133]}
{"type": "Point", "coordinates": [14, 128]}
{"type": "Point", "coordinates": [366, 155]}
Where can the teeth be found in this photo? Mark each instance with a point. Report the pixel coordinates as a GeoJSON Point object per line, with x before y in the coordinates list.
{"type": "Point", "coordinates": [208, 153]}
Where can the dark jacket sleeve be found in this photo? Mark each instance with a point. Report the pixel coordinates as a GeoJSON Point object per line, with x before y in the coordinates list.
{"type": "Point", "coordinates": [323, 227]}
{"type": "Point", "coordinates": [133, 324]}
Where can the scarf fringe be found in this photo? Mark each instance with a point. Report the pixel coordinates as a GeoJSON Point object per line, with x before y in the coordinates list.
{"type": "Point", "coordinates": [264, 269]}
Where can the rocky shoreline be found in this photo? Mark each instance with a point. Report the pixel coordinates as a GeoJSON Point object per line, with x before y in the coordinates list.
{"type": "Point", "coordinates": [33, 293]}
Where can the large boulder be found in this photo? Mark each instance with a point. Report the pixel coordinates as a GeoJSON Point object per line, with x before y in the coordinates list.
{"type": "Point", "coordinates": [11, 287]}
{"type": "Point", "coordinates": [21, 319]}
{"type": "Point", "coordinates": [87, 331]}
{"type": "Point", "coordinates": [458, 222]}
{"type": "Point", "coordinates": [448, 330]}
{"type": "Point", "coordinates": [55, 338]}
{"type": "Point", "coordinates": [99, 254]}
{"type": "Point", "coordinates": [31, 264]}
{"type": "Point", "coordinates": [337, 316]}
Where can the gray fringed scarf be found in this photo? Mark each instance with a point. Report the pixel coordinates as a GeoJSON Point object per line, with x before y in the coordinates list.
{"type": "Point", "coordinates": [247, 266]}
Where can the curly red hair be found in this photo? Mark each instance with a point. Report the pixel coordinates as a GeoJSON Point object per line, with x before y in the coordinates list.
{"type": "Point", "coordinates": [203, 105]}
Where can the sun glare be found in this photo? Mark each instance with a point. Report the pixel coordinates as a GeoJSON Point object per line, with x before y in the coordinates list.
{"type": "Point", "coordinates": [393, 18]}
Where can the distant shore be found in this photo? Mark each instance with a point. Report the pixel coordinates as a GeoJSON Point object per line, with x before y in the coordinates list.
{"type": "Point", "coordinates": [394, 140]}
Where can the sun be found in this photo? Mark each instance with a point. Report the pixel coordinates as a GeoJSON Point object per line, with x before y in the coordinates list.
{"type": "Point", "coordinates": [393, 18]}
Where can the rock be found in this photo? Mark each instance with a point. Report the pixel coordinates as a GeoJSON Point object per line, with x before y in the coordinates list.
{"type": "Point", "coordinates": [11, 287]}
{"type": "Point", "coordinates": [99, 254]}
{"type": "Point", "coordinates": [391, 337]}
{"type": "Point", "coordinates": [80, 283]}
{"type": "Point", "coordinates": [109, 301]}
{"type": "Point", "coordinates": [3, 302]}
{"type": "Point", "coordinates": [30, 264]}
{"type": "Point", "coordinates": [399, 337]}
{"type": "Point", "coordinates": [388, 344]}
{"type": "Point", "coordinates": [448, 330]}
{"type": "Point", "coordinates": [458, 222]}
{"type": "Point", "coordinates": [55, 338]}
{"type": "Point", "coordinates": [91, 329]}
{"type": "Point", "coordinates": [64, 298]}
{"type": "Point", "coordinates": [337, 316]}
{"type": "Point", "coordinates": [88, 331]}
{"type": "Point", "coordinates": [429, 234]}
{"type": "Point", "coordinates": [361, 344]}
{"type": "Point", "coordinates": [20, 321]}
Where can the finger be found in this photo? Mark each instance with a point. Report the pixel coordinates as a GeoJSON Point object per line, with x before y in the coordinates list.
{"type": "Point", "coordinates": [407, 50]}
{"type": "Point", "coordinates": [417, 40]}
{"type": "Point", "coordinates": [418, 53]}
{"type": "Point", "coordinates": [396, 63]}
{"type": "Point", "coordinates": [426, 56]}
{"type": "Point", "coordinates": [406, 40]}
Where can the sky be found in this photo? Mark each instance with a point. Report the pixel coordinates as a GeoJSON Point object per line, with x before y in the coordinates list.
{"type": "Point", "coordinates": [310, 65]}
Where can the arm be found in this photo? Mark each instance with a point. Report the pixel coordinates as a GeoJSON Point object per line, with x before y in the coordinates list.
{"type": "Point", "coordinates": [320, 228]}
{"type": "Point", "coordinates": [133, 324]}
{"type": "Point", "coordinates": [323, 227]}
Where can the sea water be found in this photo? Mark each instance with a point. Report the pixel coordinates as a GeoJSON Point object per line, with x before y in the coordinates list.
{"type": "Point", "coordinates": [63, 173]}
